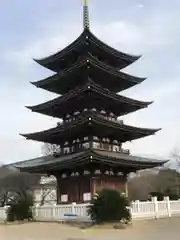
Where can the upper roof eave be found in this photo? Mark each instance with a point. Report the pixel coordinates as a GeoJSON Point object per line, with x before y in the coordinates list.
{"type": "Point", "coordinates": [61, 53]}
{"type": "Point", "coordinates": [81, 89]}
{"type": "Point", "coordinates": [95, 63]}
{"type": "Point", "coordinates": [114, 51]}
{"type": "Point", "coordinates": [80, 40]}
{"type": "Point", "coordinates": [95, 119]}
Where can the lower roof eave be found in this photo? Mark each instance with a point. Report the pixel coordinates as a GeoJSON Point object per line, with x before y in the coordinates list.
{"type": "Point", "coordinates": [113, 159]}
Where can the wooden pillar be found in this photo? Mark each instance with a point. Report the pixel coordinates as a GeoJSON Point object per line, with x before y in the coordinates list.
{"type": "Point", "coordinates": [126, 184]}
{"type": "Point", "coordinates": [92, 188]}
{"type": "Point", "coordinates": [126, 188]}
{"type": "Point", "coordinates": [58, 196]}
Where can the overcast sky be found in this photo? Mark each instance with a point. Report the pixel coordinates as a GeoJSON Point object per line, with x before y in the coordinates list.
{"type": "Point", "coordinates": [33, 29]}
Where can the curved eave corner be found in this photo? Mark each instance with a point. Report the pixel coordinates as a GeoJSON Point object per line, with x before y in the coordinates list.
{"type": "Point", "coordinates": [121, 55]}
{"type": "Point", "coordinates": [136, 80]}
{"type": "Point", "coordinates": [160, 162]}
{"type": "Point", "coordinates": [24, 135]}
{"type": "Point", "coordinates": [153, 131]}
{"type": "Point", "coordinates": [30, 108]}
{"type": "Point", "coordinates": [33, 108]}
{"type": "Point", "coordinates": [36, 84]}
{"type": "Point", "coordinates": [157, 130]}
{"type": "Point", "coordinates": [135, 57]}
{"type": "Point", "coordinates": [163, 162]}
{"type": "Point", "coordinates": [37, 60]}
{"type": "Point", "coordinates": [41, 62]}
{"type": "Point", "coordinates": [29, 136]}
{"type": "Point", "coordinates": [147, 104]}
{"type": "Point", "coordinates": [59, 54]}
{"type": "Point", "coordinates": [143, 105]}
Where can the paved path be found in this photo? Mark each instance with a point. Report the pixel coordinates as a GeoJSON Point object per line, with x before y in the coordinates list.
{"type": "Point", "coordinates": [165, 229]}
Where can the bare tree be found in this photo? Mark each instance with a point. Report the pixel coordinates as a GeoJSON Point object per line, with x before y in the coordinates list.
{"type": "Point", "coordinates": [4, 197]}
{"type": "Point", "coordinates": [16, 184]}
{"type": "Point", "coordinates": [50, 149]}
{"type": "Point", "coordinates": [46, 188]}
{"type": "Point", "coordinates": [47, 195]}
{"type": "Point", "coordinates": [166, 181]}
{"type": "Point", "coordinates": [141, 185]}
{"type": "Point", "coordinates": [44, 193]}
{"type": "Point", "coordinates": [175, 157]}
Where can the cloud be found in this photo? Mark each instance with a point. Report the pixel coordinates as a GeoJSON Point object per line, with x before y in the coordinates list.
{"type": "Point", "coordinates": [140, 5]}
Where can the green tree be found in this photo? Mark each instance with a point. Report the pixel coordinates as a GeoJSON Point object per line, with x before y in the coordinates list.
{"type": "Point", "coordinates": [109, 206]}
{"type": "Point", "coordinates": [20, 208]}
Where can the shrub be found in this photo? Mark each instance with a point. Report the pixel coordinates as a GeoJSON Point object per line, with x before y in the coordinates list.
{"type": "Point", "coordinates": [173, 195]}
{"type": "Point", "coordinates": [109, 206]}
{"type": "Point", "coordinates": [20, 209]}
{"type": "Point", "coordinates": [159, 195]}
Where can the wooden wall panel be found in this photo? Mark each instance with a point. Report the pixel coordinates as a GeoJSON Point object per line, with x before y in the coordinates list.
{"type": "Point", "coordinates": [75, 187]}
{"type": "Point", "coordinates": [100, 183]}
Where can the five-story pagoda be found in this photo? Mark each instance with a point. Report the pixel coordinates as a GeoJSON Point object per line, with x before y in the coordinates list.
{"type": "Point", "coordinates": [90, 137]}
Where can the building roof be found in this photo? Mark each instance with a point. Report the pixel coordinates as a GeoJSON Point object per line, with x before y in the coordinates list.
{"type": "Point", "coordinates": [89, 96]}
{"type": "Point", "coordinates": [90, 124]}
{"type": "Point", "coordinates": [88, 58]}
{"type": "Point", "coordinates": [88, 67]}
{"type": "Point", "coordinates": [86, 42]}
{"type": "Point", "coordinates": [63, 162]}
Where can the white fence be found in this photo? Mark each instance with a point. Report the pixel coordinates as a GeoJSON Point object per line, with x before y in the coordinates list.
{"type": "Point", "coordinates": [3, 214]}
{"type": "Point", "coordinates": [140, 210]}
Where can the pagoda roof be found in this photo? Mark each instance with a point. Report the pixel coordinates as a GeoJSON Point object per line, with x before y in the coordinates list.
{"type": "Point", "coordinates": [89, 96]}
{"type": "Point", "coordinates": [52, 163]}
{"type": "Point", "coordinates": [86, 42]}
{"type": "Point", "coordinates": [88, 66]}
{"type": "Point", "coordinates": [90, 124]}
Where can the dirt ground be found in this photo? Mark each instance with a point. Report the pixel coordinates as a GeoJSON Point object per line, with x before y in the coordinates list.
{"type": "Point", "coordinates": [140, 230]}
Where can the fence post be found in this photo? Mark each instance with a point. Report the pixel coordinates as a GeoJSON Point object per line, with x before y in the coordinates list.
{"type": "Point", "coordinates": [166, 199]}
{"type": "Point", "coordinates": [138, 205]}
{"type": "Point", "coordinates": [73, 208]}
{"type": "Point", "coordinates": [6, 213]}
{"type": "Point", "coordinates": [156, 210]}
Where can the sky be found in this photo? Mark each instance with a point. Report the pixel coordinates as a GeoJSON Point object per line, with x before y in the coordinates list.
{"type": "Point", "coordinates": [35, 29]}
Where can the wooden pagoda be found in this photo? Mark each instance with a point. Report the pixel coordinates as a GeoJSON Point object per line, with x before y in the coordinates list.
{"type": "Point", "coordinates": [91, 156]}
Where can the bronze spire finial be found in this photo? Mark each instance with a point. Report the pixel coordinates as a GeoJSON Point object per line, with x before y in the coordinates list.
{"type": "Point", "coordinates": [85, 14]}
